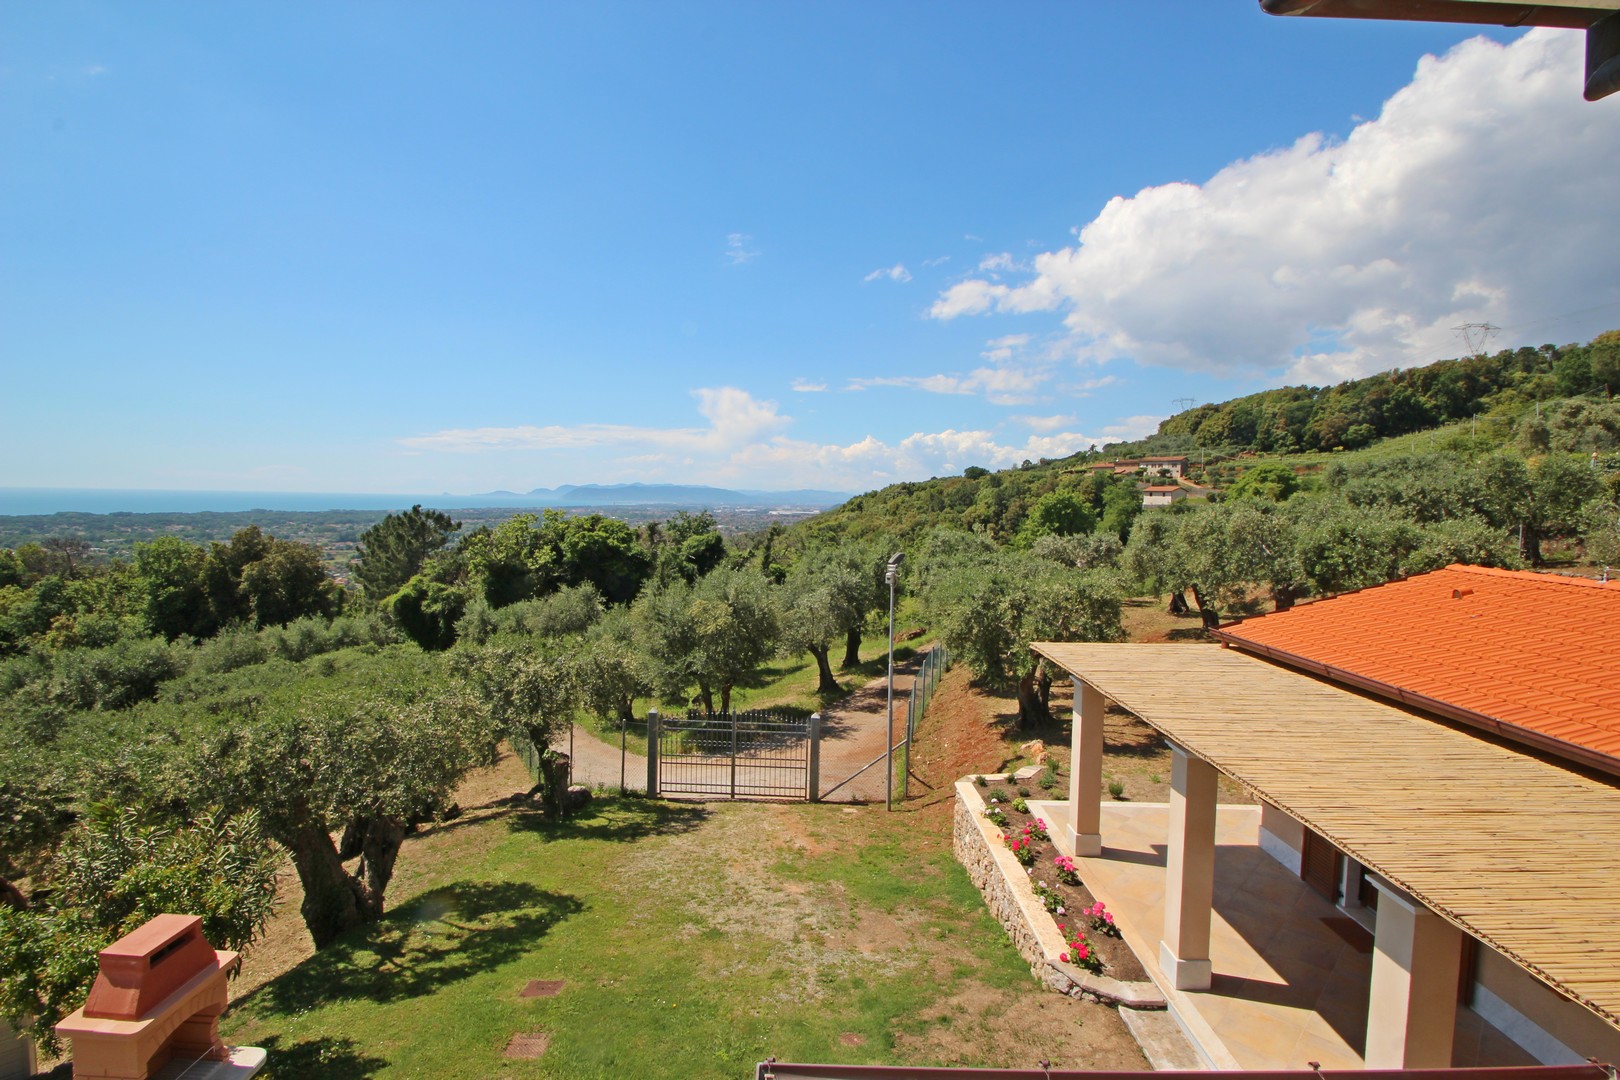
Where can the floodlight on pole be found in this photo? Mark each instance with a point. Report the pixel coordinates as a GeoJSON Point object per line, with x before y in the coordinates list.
{"type": "Point", "coordinates": [890, 573]}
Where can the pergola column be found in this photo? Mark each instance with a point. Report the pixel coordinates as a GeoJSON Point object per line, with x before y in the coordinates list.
{"type": "Point", "coordinates": [1189, 886]}
{"type": "Point", "coordinates": [1412, 1008]}
{"type": "Point", "coordinates": [1085, 770]}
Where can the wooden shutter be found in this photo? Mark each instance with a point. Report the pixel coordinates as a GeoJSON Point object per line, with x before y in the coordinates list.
{"type": "Point", "coordinates": [1319, 866]}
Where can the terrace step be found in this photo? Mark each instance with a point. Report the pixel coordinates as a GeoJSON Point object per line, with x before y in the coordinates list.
{"type": "Point", "coordinates": [1162, 1041]}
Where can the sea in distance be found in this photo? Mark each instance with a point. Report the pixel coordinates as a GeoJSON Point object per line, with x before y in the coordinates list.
{"type": "Point", "coordinates": [14, 501]}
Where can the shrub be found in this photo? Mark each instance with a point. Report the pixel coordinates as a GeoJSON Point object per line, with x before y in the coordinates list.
{"type": "Point", "coordinates": [116, 676]}
{"type": "Point", "coordinates": [237, 647]}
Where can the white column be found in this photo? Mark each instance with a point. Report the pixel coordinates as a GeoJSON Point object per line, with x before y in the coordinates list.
{"type": "Point", "coordinates": [1412, 1008]}
{"type": "Point", "coordinates": [1189, 884]}
{"type": "Point", "coordinates": [1085, 770]}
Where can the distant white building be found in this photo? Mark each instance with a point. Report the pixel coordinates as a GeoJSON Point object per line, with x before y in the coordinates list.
{"type": "Point", "coordinates": [1161, 495]}
{"type": "Point", "coordinates": [1165, 466]}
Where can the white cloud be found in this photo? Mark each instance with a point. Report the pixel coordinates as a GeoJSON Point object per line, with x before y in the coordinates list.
{"type": "Point", "coordinates": [1476, 194]}
{"type": "Point", "coordinates": [940, 261]}
{"type": "Point", "coordinates": [971, 297]}
{"type": "Point", "coordinates": [744, 442]}
{"type": "Point", "coordinates": [1002, 348]}
{"type": "Point", "coordinates": [805, 386]}
{"type": "Point", "coordinates": [999, 385]}
{"type": "Point", "coordinates": [1044, 423]}
{"type": "Point", "coordinates": [735, 418]}
{"type": "Point", "coordinates": [897, 272]}
{"type": "Point", "coordinates": [871, 462]}
{"type": "Point", "coordinates": [1002, 262]}
{"type": "Point", "coordinates": [738, 249]}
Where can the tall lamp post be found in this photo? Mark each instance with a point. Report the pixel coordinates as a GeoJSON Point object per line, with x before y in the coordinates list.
{"type": "Point", "coordinates": [889, 575]}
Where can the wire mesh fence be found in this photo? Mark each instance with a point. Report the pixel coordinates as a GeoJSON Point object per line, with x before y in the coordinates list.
{"type": "Point", "coordinates": [935, 661]}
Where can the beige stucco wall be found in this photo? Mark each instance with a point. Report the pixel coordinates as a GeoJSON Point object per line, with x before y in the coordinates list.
{"type": "Point", "coordinates": [17, 1060]}
{"type": "Point", "coordinates": [1558, 1031]}
{"type": "Point", "coordinates": [1281, 836]}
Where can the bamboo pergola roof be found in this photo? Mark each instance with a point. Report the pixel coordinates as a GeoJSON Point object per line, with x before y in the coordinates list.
{"type": "Point", "coordinates": [1522, 854]}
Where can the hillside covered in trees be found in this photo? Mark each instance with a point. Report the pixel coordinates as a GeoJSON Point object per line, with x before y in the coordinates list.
{"type": "Point", "coordinates": [173, 722]}
{"type": "Point", "coordinates": [1356, 413]}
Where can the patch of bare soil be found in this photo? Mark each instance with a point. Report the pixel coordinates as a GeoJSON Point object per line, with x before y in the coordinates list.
{"type": "Point", "coordinates": [981, 1024]}
{"type": "Point", "coordinates": [969, 730]}
{"type": "Point", "coordinates": [816, 934]}
{"type": "Point", "coordinates": [1148, 619]}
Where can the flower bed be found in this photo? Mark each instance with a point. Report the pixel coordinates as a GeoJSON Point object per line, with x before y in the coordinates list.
{"type": "Point", "coordinates": [1092, 940]}
{"type": "Point", "coordinates": [1024, 900]}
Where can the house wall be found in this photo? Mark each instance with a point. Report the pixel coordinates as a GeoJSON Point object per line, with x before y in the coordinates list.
{"type": "Point", "coordinates": [1553, 1029]}
{"type": "Point", "coordinates": [1281, 836]}
{"type": "Point", "coordinates": [17, 1061]}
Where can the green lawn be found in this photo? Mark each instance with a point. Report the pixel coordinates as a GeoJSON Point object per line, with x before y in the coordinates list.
{"type": "Point", "coordinates": [695, 941]}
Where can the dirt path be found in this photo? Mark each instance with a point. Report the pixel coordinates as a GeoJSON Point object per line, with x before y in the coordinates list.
{"type": "Point", "coordinates": [598, 763]}
{"type": "Point", "coordinates": [852, 735]}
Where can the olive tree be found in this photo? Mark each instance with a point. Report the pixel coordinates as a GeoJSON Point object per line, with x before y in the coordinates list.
{"type": "Point", "coordinates": [710, 635]}
{"type": "Point", "coordinates": [312, 767]}
{"type": "Point", "coordinates": [988, 612]}
{"type": "Point", "coordinates": [823, 596]}
{"type": "Point", "coordinates": [528, 691]}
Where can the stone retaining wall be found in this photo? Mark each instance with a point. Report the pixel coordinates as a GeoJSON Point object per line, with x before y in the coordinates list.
{"type": "Point", "coordinates": [979, 847]}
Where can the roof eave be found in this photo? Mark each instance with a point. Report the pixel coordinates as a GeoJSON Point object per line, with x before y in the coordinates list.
{"type": "Point", "coordinates": [1572, 16]}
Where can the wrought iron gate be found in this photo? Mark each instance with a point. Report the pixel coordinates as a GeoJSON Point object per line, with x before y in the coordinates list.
{"type": "Point", "coordinates": [739, 755]}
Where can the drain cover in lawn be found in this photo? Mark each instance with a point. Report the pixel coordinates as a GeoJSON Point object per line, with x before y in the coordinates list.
{"type": "Point", "coordinates": [543, 988]}
{"type": "Point", "coordinates": [528, 1044]}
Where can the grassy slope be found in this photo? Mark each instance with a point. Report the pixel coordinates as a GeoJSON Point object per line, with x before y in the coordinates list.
{"type": "Point", "coordinates": [696, 941]}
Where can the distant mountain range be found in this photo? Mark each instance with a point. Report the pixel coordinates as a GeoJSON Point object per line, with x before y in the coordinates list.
{"type": "Point", "coordinates": [695, 495]}
{"type": "Point", "coordinates": [45, 501]}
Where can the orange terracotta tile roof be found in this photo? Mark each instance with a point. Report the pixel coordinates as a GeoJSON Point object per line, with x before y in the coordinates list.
{"type": "Point", "coordinates": [1535, 657]}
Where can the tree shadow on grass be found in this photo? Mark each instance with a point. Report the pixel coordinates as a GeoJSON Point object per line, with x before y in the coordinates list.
{"type": "Point", "coordinates": [439, 938]}
{"type": "Point", "coordinates": [618, 819]}
{"type": "Point", "coordinates": [327, 1057]}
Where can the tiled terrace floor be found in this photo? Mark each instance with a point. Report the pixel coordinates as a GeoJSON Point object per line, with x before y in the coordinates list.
{"type": "Point", "coordinates": [1288, 988]}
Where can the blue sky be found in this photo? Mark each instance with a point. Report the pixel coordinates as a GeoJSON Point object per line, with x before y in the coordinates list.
{"type": "Point", "coordinates": [425, 247]}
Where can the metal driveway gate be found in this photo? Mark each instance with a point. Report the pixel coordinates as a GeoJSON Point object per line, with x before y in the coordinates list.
{"type": "Point", "coordinates": [738, 755]}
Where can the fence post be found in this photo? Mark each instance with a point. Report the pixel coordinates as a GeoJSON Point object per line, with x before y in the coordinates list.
{"type": "Point", "coordinates": [812, 772]}
{"type": "Point", "coordinates": [734, 753]}
{"type": "Point", "coordinates": [653, 726]}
